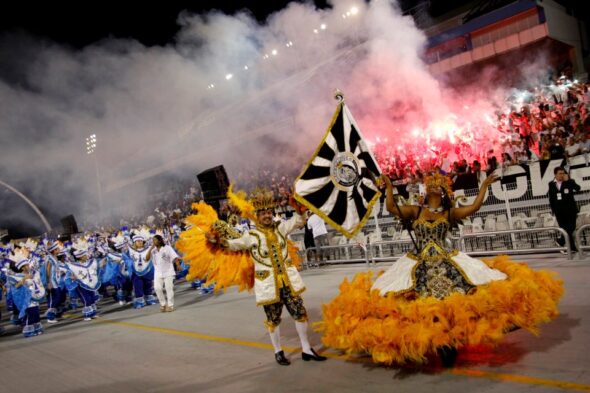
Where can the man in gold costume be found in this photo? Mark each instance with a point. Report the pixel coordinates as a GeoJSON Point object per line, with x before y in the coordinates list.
{"type": "Point", "coordinates": [277, 282]}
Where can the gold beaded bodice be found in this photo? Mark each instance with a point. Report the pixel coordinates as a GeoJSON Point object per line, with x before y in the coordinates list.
{"type": "Point", "coordinates": [430, 237]}
{"type": "Point", "coordinates": [436, 274]}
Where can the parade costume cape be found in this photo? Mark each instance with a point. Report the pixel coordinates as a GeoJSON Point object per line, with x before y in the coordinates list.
{"type": "Point", "coordinates": [83, 274]}
{"type": "Point", "coordinates": [112, 269]}
{"type": "Point", "coordinates": [220, 266]}
{"type": "Point", "coordinates": [23, 296]}
{"type": "Point", "coordinates": [394, 324]}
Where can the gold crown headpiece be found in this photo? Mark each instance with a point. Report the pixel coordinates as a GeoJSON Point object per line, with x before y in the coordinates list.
{"type": "Point", "coordinates": [438, 180]}
{"type": "Point", "coordinates": [262, 199]}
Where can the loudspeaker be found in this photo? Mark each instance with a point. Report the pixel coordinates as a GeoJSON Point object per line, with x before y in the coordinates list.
{"type": "Point", "coordinates": [69, 225]}
{"type": "Point", "coordinates": [214, 184]}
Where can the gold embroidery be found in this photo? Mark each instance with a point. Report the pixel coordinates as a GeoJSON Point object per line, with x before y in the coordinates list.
{"type": "Point", "coordinates": [430, 224]}
{"type": "Point", "coordinates": [275, 254]}
{"type": "Point", "coordinates": [438, 284]}
{"type": "Point", "coordinates": [262, 274]}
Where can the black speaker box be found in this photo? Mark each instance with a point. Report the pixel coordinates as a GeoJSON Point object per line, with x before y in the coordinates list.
{"type": "Point", "coordinates": [69, 225]}
{"type": "Point", "coordinates": [214, 183]}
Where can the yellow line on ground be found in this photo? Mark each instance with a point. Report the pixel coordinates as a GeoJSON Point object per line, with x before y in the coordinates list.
{"type": "Point", "coordinates": [198, 336]}
{"type": "Point", "coordinates": [207, 337]}
{"type": "Point", "coordinates": [253, 344]}
{"type": "Point", "coordinates": [521, 379]}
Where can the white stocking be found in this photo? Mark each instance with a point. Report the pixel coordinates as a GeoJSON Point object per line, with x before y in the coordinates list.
{"type": "Point", "coordinates": [302, 332]}
{"type": "Point", "coordinates": [275, 338]}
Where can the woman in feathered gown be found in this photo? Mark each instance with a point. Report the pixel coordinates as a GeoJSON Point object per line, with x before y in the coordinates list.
{"type": "Point", "coordinates": [436, 300]}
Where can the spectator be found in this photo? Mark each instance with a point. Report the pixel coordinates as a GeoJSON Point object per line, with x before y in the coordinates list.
{"type": "Point", "coordinates": [320, 235]}
{"type": "Point", "coordinates": [556, 150]}
{"type": "Point", "coordinates": [563, 205]}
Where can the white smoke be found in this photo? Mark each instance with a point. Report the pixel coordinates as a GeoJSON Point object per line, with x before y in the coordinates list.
{"type": "Point", "coordinates": [176, 109]}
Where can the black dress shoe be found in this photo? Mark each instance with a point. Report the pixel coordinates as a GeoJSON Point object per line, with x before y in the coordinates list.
{"type": "Point", "coordinates": [281, 359]}
{"type": "Point", "coordinates": [315, 356]}
{"type": "Point", "coordinates": [448, 355]}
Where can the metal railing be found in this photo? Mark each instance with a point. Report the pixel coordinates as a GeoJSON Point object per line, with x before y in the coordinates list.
{"type": "Point", "coordinates": [338, 254]}
{"type": "Point", "coordinates": [511, 239]}
{"type": "Point", "coordinates": [582, 233]}
{"type": "Point", "coordinates": [506, 242]}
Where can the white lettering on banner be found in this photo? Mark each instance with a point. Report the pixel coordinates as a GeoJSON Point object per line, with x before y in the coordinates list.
{"type": "Point", "coordinates": [501, 192]}
{"type": "Point", "coordinates": [540, 185]}
{"type": "Point", "coordinates": [578, 160]}
{"type": "Point", "coordinates": [579, 170]}
{"type": "Point", "coordinates": [582, 177]}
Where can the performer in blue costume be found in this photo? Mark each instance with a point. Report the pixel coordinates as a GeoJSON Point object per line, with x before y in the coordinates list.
{"type": "Point", "coordinates": [56, 291]}
{"type": "Point", "coordinates": [27, 291]}
{"type": "Point", "coordinates": [83, 275]}
{"type": "Point", "coordinates": [143, 271]}
{"type": "Point", "coordinates": [118, 257]}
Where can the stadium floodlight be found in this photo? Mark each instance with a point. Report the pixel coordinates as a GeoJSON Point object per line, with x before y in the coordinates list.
{"type": "Point", "coordinates": [274, 52]}
{"type": "Point", "coordinates": [91, 142]}
{"type": "Point", "coordinates": [323, 26]}
{"type": "Point", "coordinates": [354, 10]}
{"type": "Point", "coordinates": [229, 76]}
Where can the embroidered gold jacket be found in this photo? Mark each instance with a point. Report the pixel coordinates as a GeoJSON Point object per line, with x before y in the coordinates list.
{"type": "Point", "coordinates": [273, 267]}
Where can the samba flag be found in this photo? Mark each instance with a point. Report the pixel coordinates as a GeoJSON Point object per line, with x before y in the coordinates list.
{"type": "Point", "coordinates": [335, 183]}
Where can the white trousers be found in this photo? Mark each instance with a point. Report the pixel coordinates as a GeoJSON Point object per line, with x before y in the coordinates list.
{"type": "Point", "coordinates": [164, 282]}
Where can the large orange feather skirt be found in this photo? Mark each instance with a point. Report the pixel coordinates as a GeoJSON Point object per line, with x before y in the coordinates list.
{"type": "Point", "coordinates": [396, 329]}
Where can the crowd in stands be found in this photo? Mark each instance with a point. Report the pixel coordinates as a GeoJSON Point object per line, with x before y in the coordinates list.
{"type": "Point", "coordinates": [551, 122]}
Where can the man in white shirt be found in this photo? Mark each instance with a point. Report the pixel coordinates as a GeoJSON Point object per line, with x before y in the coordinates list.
{"type": "Point", "coordinates": [163, 257]}
{"type": "Point", "coordinates": [320, 234]}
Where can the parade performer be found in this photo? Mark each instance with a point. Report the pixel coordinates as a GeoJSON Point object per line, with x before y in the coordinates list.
{"type": "Point", "coordinates": [83, 276]}
{"type": "Point", "coordinates": [119, 261]}
{"type": "Point", "coordinates": [435, 299]}
{"type": "Point", "coordinates": [262, 259]}
{"type": "Point", "coordinates": [27, 291]}
{"type": "Point", "coordinates": [56, 292]}
{"type": "Point", "coordinates": [143, 270]}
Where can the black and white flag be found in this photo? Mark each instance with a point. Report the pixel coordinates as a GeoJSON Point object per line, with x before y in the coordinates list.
{"type": "Point", "coordinates": [335, 183]}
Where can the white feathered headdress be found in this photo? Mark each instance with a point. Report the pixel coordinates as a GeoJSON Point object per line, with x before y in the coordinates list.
{"type": "Point", "coordinates": [80, 247]}
{"type": "Point", "coordinates": [119, 241]}
{"type": "Point", "coordinates": [30, 244]}
{"type": "Point", "coordinates": [19, 257]}
{"type": "Point", "coordinates": [142, 234]}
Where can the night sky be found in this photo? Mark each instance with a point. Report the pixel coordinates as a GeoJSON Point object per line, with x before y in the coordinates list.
{"type": "Point", "coordinates": [81, 23]}
{"type": "Point", "coordinates": [78, 23]}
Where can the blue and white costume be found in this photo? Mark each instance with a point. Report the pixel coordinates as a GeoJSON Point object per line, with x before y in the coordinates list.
{"type": "Point", "coordinates": [56, 290]}
{"type": "Point", "coordinates": [27, 291]}
{"type": "Point", "coordinates": [83, 275]}
{"type": "Point", "coordinates": [143, 275]}
{"type": "Point", "coordinates": [120, 268]}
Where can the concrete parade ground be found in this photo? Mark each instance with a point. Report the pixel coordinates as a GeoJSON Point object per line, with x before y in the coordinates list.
{"type": "Point", "coordinates": [218, 343]}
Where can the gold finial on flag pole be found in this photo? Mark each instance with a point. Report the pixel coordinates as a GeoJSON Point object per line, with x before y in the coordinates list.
{"type": "Point", "coordinates": [339, 95]}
